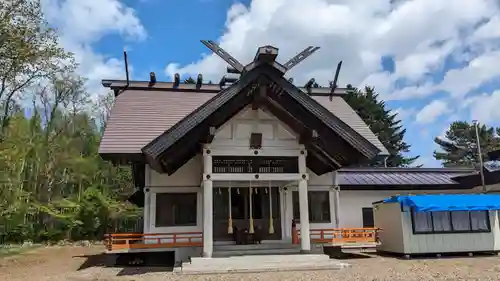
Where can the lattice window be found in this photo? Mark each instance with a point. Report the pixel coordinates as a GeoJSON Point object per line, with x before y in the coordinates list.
{"type": "Point", "coordinates": [255, 164]}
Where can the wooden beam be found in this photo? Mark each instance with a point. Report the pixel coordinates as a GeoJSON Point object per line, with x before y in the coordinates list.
{"type": "Point", "coordinates": [211, 134]}
{"type": "Point", "coordinates": [189, 145]}
{"type": "Point", "coordinates": [336, 145]}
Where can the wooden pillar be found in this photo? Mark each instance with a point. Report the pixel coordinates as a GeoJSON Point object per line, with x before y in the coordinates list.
{"type": "Point", "coordinates": [305, 240]}
{"type": "Point", "coordinates": [336, 203]}
{"type": "Point", "coordinates": [207, 204]}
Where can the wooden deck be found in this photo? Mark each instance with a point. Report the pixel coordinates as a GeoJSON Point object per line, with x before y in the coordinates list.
{"type": "Point", "coordinates": [137, 242]}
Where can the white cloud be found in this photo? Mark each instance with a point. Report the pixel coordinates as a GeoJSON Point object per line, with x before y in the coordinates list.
{"type": "Point", "coordinates": [458, 82]}
{"type": "Point", "coordinates": [88, 21]}
{"type": "Point", "coordinates": [489, 30]}
{"type": "Point", "coordinates": [81, 23]}
{"type": "Point", "coordinates": [431, 112]}
{"type": "Point", "coordinates": [424, 60]}
{"type": "Point", "coordinates": [404, 113]}
{"type": "Point", "coordinates": [485, 107]}
{"type": "Point", "coordinates": [419, 34]}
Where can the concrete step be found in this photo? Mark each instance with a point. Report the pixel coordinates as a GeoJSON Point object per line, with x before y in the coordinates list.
{"type": "Point", "coordinates": [261, 249]}
{"type": "Point", "coordinates": [258, 251]}
{"type": "Point", "coordinates": [234, 247]}
{"type": "Point", "coordinates": [259, 263]}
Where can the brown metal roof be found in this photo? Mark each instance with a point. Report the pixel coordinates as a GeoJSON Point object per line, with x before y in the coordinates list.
{"type": "Point", "coordinates": [139, 116]}
{"type": "Point", "coordinates": [344, 112]}
{"type": "Point", "coordinates": [400, 176]}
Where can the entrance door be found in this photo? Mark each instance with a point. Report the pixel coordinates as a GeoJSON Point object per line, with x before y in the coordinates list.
{"type": "Point", "coordinates": [261, 211]}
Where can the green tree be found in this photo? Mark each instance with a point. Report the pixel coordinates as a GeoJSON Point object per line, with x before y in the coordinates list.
{"type": "Point", "coordinates": [29, 53]}
{"type": "Point", "coordinates": [459, 147]}
{"type": "Point", "coordinates": [383, 123]}
{"type": "Point", "coordinates": [53, 184]}
{"type": "Point", "coordinates": [190, 80]}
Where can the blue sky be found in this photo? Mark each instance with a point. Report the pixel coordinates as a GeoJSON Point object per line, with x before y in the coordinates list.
{"type": "Point", "coordinates": [433, 62]}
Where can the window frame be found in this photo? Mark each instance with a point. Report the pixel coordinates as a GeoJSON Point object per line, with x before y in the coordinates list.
{"type": "Point", "coordinates": [297, 220]}
{"type": "Point", "coordinates": [452, 231]}
{"type": "Point", "coordinates": [191, 224]}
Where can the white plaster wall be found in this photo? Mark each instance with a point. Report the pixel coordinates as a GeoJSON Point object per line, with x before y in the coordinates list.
{"type": "Point", "coordinates": [352, 202]}
{"type": "Point", "coordinates": [188, 175]}
{"type": "Point", "coordinates": [236, 132]}
{"type": "Point", "coordinates": [325, 180]}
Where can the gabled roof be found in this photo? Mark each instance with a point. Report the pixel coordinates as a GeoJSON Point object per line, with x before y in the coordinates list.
{"type": "Point", "coordinates": [338, 144]}
{"type": "Point", "coordinates": [139, 116]}
{"type": "Point", "coordinates": [166, 130]}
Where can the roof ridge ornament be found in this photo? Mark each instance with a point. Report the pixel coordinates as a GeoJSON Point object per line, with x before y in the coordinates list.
{"type": "Point", "coordinates": [333, 84]}
{"type": "Point", "coordinates": [300, 57]}
{"type": "Point", "coordinates": [223, 54]}
{"type": "Point", "coordinates": [265, 54]}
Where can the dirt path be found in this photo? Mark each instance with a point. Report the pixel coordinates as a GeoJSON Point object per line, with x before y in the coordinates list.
{"type": "Point", "coordinates": [45, 263]}
{"type": "Point", "coordinates": [72, 264]}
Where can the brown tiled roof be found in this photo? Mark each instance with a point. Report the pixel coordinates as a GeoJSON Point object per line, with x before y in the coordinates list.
{"type": "Point", "coordinates": [138, 117]}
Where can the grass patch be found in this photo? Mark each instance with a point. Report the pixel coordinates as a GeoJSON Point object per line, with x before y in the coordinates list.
{"type": "Point", "coordinates": [13, 249]}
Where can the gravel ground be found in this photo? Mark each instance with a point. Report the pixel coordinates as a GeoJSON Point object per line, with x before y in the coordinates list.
{"type": "Point", "coordinates": [65, 263]}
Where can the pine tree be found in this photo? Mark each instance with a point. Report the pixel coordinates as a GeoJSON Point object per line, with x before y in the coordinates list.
{"type": "Point", "coordinates": [383, 123]}
{"type": "Point", "coordinates": [459, 147]}
{"type": "Point", "coordinates": [190, 80]}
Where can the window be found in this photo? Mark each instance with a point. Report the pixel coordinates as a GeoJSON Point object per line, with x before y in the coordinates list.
{"type": "Point", "coordinates": [460, 221]}
{"type": "Point", "coordinates": [450, 222]}
{"type": "Point", "coordinates": [176, 209]}
{"type": "Point", "coordinates": [422, 222]}
{"type": "Point", "coordinates": [319, 206]}
{"type": "Point", "coordinates": [368, 220]}
{"type": "Point", "coordinates": [441, 221]}
{"type": "Point", "coordinates": [479, 221]}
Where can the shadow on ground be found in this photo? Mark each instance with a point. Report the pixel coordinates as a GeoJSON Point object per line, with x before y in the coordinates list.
{"type": "Point", "coordinates": [434, 256]}
{"type": "Point", "coordinates": [97, 260]}
{"type": "Point", "coordinates": [353, 256]}
{"type": "Point", "coordinates": [150, 263]}
{"type": "Point", "coordinates": [130, 271]}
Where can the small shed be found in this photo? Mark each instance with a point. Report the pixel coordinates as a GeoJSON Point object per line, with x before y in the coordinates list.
{"type": "Point", "coordinates": [435, 224]}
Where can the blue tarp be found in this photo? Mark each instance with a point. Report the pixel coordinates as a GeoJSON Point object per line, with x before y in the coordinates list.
{"type": "Point", "coordinates": [448, 202]}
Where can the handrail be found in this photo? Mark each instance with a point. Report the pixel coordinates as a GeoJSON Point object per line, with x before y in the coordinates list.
{"type": "Point", "coordinates": [344, 235]}
{"type": "Point", "coordinates": [126, 241]}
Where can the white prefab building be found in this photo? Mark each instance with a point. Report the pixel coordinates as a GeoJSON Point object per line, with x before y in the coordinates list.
{"type": "Point", "coordinates": [258, 156]}
{"type": "Point", "coordinates": [431, 224]}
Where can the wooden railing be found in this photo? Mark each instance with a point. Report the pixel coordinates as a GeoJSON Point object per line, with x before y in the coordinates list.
{"type": "Point", "coordinates": [343, 235]}
{"type": "Point", "coordinates": [126, 241]}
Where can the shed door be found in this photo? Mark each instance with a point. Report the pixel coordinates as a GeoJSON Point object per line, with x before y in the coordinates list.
{"type": "Point", "coordinates": [368, 217]}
